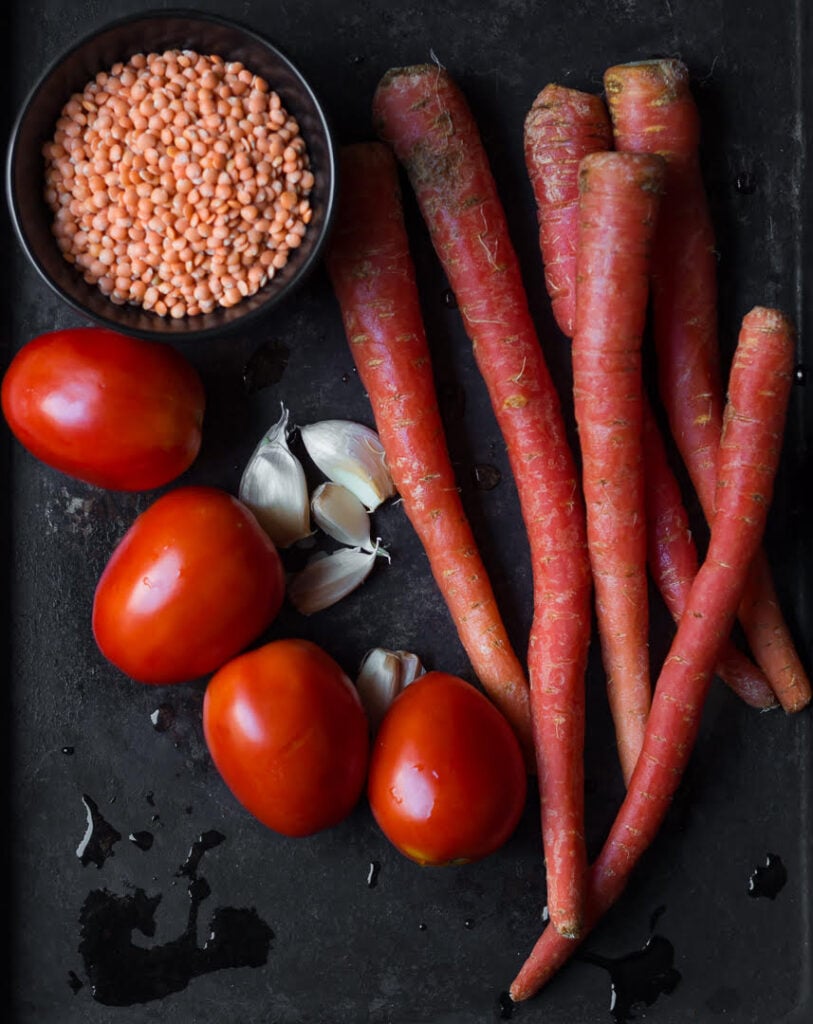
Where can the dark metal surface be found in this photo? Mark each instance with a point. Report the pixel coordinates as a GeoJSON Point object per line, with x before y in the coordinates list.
{"type": "Point", "coordinates": [422, 946]}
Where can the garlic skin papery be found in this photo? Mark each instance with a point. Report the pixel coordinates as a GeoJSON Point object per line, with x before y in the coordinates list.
{"type": "Point", "coordinates": [352, 455]}
{"type": "Point", "coordinates": [382, 676]}
{"type": "Point", "coordinates": [326, 579]}
{"type": "Point", "coordinates": [273, 486]}
{"type": "Point", "coordinates": [411, 667]}
{"type": "Point", "coordinates": [378, 683]}
{"type": "Point", "coordinates": [340, 514]}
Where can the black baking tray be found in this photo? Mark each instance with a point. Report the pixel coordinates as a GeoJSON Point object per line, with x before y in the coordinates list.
{"type": "Point", "coordinates": [360, 934]}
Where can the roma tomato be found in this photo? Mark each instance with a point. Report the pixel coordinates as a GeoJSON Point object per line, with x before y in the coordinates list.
{"type": "Point", "coordinates": [194, 580]}
{"type": "Point", "coordinates": [287, 732]}
{"type": "Point", "coordinates": [447, 780]}
{"type": "Point", "coordinates": [107, 409]}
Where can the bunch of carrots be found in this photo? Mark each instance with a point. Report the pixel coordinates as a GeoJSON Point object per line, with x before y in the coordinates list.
{"type": "Point", "coordinates": [623, 222]}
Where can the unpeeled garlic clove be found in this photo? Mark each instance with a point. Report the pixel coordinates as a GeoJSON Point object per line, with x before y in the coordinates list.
{"type": "Point", "coordinates": [273, 486]}
{"type": "Point", "coordinates": [350, 454]}
{"type": "Point", "coordinates": [326, 579]}
{"type": "Point", "coordinates": [340, 514]}
{"type": "Point", "coordinates": [379, 683]}
{"type": "Point", "coordinates": [411, 667]}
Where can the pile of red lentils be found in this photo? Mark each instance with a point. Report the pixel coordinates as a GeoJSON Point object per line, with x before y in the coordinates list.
{"type": "Point", "coordinates": [178, 182]}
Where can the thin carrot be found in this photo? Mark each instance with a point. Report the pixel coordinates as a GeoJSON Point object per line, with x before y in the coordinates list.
{"type": "Point", "coordinates": [672, 558]}
{"type": "Point", "coordinates": [424, 116]}
{"type": "Point", "coordinates": [373, 277]}
{"type": "Point", "coordinates": [562, 126]}
{"type": "Point", "coordinates": [759, 387]}
{"type": "Point", "coordinates": [653, 111]}
{"type": "Point", "coordinates": [618, 206]}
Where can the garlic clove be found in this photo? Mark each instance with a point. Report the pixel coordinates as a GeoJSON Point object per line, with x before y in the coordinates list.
{"type": "Point", "coordinates": [340, 514]}
{"type": "Point", "coordinates": [352, 455]}
{"type": "Point", "coordinates": [411, 667]}
{"type": "Point", "coordinates": [378, 683]}
{"type": "Point", "coordinates": [273, 486]}
{"type": "Point", "coordinates": [326, 579]}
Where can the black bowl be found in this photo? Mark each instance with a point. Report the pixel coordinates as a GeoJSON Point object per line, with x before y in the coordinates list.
{"type": "Point", "coordinates": [156, 31]}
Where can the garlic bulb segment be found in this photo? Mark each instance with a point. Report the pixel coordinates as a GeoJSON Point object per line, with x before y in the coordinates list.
{"type": "Point", "coordinates": [411, 667]}
{"type": "Point", "coordinates": [352, 455]}
{"type": "Point", "coordinates": [327, 579]}
{"type": "Point", "coordinates": [340, 514]}
{"type": "Point", "coordinates": [378, 683]}
{"type": "Point", "coordinates": [273, 486]}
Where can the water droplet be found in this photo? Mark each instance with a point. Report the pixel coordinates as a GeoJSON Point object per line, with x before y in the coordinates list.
{"type": "Point", "coordinates": [163, 717]}
{"type": "Point", "coordinates": [69, 751]}
{"type": "Point", "coordinates": [150, 798]}
{"type": "Point", "coordinates": [639, 977]}
{"type": "Point", "coordinates": [345, 378]}
{"type": "Point", "coordinates": [357, 59]}
{"type": "Point", "coordinates": [505, 1006]}
{"type": "Point", "coordinates": [800, 374]}
{"type": "Point", "coordinates": [75, 982]}
{"type": "Point", "coordinates": [468, 923]}
{"type": "Point", "coordinates": [372, 874]}
{"type": "Point", "coordinates": [99, 839]}
{"type": "Point", "coordinates": [422, 927]}
{"type": "Point", "coordinates": [265, 366]}
{"type": "Point", "coordinates": [449, 299]}
{"type": "Point", "coordinates": [205, 841]}
{"type": "Point", "coordinates": [769, 879]}
{"type": "Point", "coordinates": [486, 477]}
{"type": "Point", "coordinates": [143, 840]}
{"type": "Point", "coordinates": [545, 914]}
{"type": "Point", "coordinates": [745, 183]}
{"type": "Point", "coordinates": [155, 818]}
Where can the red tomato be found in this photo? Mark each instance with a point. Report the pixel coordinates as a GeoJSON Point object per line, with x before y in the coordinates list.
{"type": "Point", "coordinates": [287, 732]}
{"type": "Point", "coordinates": [447, 780]}
{"type": "Point", "coordinates": [194, 580]}
{"type": "Point", "coordinates": [107, 409]}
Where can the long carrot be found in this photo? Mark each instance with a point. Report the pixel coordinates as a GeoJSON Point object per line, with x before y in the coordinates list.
{"type": "Point", "coordinates": [373, 277]}
{"type": "Point", "coordinates": [618, 206]}
{"type": "Point", "coordinates": [653, 111]}
{"type": "Point", "coordinates": [673, 562]}
{"type": "Point", "coordinates": [749, 453]}
{"type": "Point", "coordinates": [424, 116]}
{"type": "Point", "coordinates": [562, 126]}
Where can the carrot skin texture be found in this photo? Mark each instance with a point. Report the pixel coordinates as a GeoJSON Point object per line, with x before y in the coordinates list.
{"type": "Point", "coordinates": [673, 562]}
{"type": "Point", "coordinates": [652, 110]}
{"type": "Point", "coordinates": [373, 276]}
{"type": "Point", "coordinates": [562, 126]}
{"type": "Point", "coordinates": [423, 115]}
{"type": "Point", "coordinates": [759, 388]}
{"type": "Point", "coordinates": [618, 207]}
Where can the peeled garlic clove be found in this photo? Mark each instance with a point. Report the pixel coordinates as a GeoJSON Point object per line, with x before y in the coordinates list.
{"type": "Point", "coordinates": [273, 486]}
{"type": "Point", "coordinates": [352, 455]}
{"type": "Point", "coordinates": [378, 683]}
{"type": "Point", "coordinates": [411, 667]}
{"type": "Point", "coordinates": [340, 514]}
{"type": "Point", "coordinates": [327, 579]}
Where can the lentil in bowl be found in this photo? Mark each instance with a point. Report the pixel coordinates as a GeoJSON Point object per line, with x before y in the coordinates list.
{"type": "Point", "coordinates": [137, 199]}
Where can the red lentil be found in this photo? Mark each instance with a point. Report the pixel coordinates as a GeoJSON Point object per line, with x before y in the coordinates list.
{"type": "Point", "coordinates": [178, 182]}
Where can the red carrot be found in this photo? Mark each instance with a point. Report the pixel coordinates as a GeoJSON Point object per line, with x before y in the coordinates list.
{"type": "Point", "coordinates": [618, 206]}
{"type": "Point", "coordinates": [562, 126]}
{"type": "Point", "coordinates": [672, 558]}
{"type": "Point", "coordinates": [424, 116]}
{"type": "Point", "coordinates": [374, 280]}
{"type": "Point", "coordinates": [749, 453]}
{"type": "Point", "coordinates": [653, 111]}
